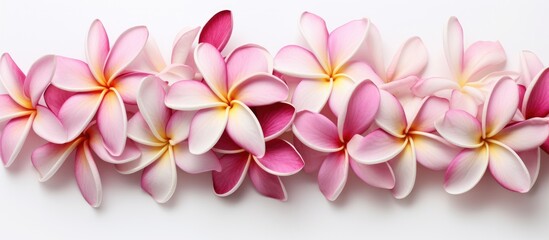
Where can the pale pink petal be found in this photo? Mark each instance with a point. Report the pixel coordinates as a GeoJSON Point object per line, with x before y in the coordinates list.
{"type": "Point", "coordinates": [74, 76]}
{"type": "Point", "coordinates": [234, 168]}
{"type": "Point", "coordinates": [267, 184]}
{"type": "Point", "coordinates": [410, 60]}
{"type": "Point", "coordinates": [401, 88]}
{"type": "Point", "coordinates": [13, 137]}
{"type": "Point", "coordinates": [159, 179]}
{"type": "Point", "coordinates": [152, 93]}
{"type": "Point", "coordinates": [311, 95]}
{"type": "Point", "coordinates": [345, 41]}
{"type": "Point", "coordinates": [275, 118]}
{"type": "Point", "coordinates": [140, 132]}
{"type": "Point", "coordinates": [360, 110]}
{"type": "Point", "coordinates": [525, 135]}
{"type": "Point", "coordinates": [332, 175]}
{"type": "Point", "coordinates": [313, 159]}
{"type": "Point", "coordinates": [404, 166]}
{"type": "Point", "coordinates": [377, 175]}
{"type": "Point", "coordinates": [87, 176]}
{"type": "Point", "coordinates": [299, 62]}
{"type": "Point", "coordinates": [531, 160]}
{"type": "Point", "coordinates": [316, 131]}
{"type": "Point", "coordinates": [460, 100]}
{"type": "Point", "coordinates": [314, 31]}
{"type": "Point", "coordinates": [11, 109]}
{"type": "Point", "coordinates": [373, 51]}
{"type": "Point", "coordinates": [259, 89]}
{"type": "Point", "coordinates": [179, 126]}
{"type": "Point", "coordinates": [243, 127]}
{"type": "Point", "coordinates": [78, 111]}
{"type": "Point", "coordinates": [431, 110]}
{"type": "Point", "coordinates": [212, 66]}
{"type": "Point", "coordinates": [391, 116]}
{"type": "Point", "coordinates": [39, 77]}
{"type": "Point", "coordinates": [13, 80]}
{"type": "Point", "coordinates": [280, 159]}
{"type": "Point", "coordinates": [466, 170]}
{"type": "Point", "coordinates": [175, 73]}
{"type": "Point", "coordinates": [149, 61]}
{"type": "Point", "coordinates": [192, 163]}
{"type": "Point", "coordinates": [97, 49]}
{"type": "Point", "coordinates": [454, 46]}
{"type": "Point", "coordinates": [149, 154]}
{"type": "Point", "coordinates": [47, 158]}
{"type": "Point", "coordinates": [376, 147]}
{"type": "Point", "coordinates": [429, 86]}
{"type": "Point", "coordinates": [95, 141]}
{"type": "Point", "coordinates": [500, 107]}
{"type": "Point", "coordinates": [48, 126]}
{"type": "Point", "coordinates": [218, 29]}
{"type": "Point", "coordinates": [530, 66]}
{"type": "Point", "coordinates": [482, 58]}
{"type": "Point", "coordinates": [192, 95]}
{"type": "Point", "coordinates": [247, 61]}
{"type": "Point", "coordinates": [126, 48]}
{"type": "Point", "coordinates": [182, 46]}
{"type": "Point", "coordinates": [536, 98]}
{"type": "Point", "coordinates": [359, 71]}
{"type": "Point", "coordinates": [112, 122]}
{"type": "Point", "coordinates": [460, 128]}
{"type": "Point", "coordinates": [207, 127]}
{"type": "Point", "coordinates": [508, 169]}
{"type": "Point", "coordinates": [341, 90]}
{"type": "Point", "coordinates": [433, 151]}
{"type": "Point", "coordinates": [55, 98]}
{"type": "Point", "coordinates": [127, 86]}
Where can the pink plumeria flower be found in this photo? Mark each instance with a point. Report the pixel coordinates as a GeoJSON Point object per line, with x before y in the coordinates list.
{"type": "Point", "coordinates": [224, 98]}
{"type": "Point", "coordinates": [21, 108]}
{"type": "Point", "coordinates": [492, 143]}
{"type": "Point", "coordinates": [161, 135]}
{"type": "Point", "coordinates": [102, 85]}
{"type": "Point", "coordinates": [319, 133]}
{"type": "Point", "coordinates": [402, 141]}
{"type": "Point", "coordinates": [327, 67]}
{"type": "Point", "coordinates": [473, 70]}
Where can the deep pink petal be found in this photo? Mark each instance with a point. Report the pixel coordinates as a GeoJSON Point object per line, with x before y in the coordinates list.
{"type": "Point", "coordinates": [259, 89]}
{"type": "Point", "coordinates": [212, 66]}
{"type": "Point", "coordinates": [274, 119]}
{"type": "Point", "coordinates": [152, 93]}
{"type": "Point", "coordinates": [74, 76]}
{"type": "Point", "coordinates": [267, 184]}
{"type": "Point", "coordinates": [126, 48]}
{"type": "Point", "coordinates": [410, 60]}
{"type": "Point", "coordinates": [13, 80]}
{"type": "Point", "coordinates": [281, 158]}
{"type": "Point", "coordinates": [243, 127]}
{"type": "Point", "coordinates": [316, 131]}
{"type": "Point", "coordinates": [160, 178]}
{"type": "Point", "coordinates": [454, 46]}
{"type": "Point", "coordinates": [314, 31]}
{"type": "Point", "coordinates": [13, 137]}
{"type": "Point", "coordinates": [97, 49]}
{"type": "Point", "coordinates": [226, 145]}
{"type": "Point", "coordinates": [391, 116]}
{"type": "Point", "coordinates": [536, 98]}
{"type": "Point", "coordinates": [217, 30]}
{"type": "Point", "coordinates": [482, 58]}
{"type": "Point", "coordinates": [87, 176]}
{"type": "Point", "coordinates": [55, 98]}
{"type": "Point", "coordinates": [332, 175]}
{"type": "Point", "coordinates": [508, 169]}
{"type": "Point", "coordinates": [377, 175]}
{"type": "Point", "coordinates": [500, 107]}
{"type": "Point", "coordinates": [207, 127]}
{"type": "Point", "coordinates": [234, 168]}
{"type": "Point", "coordinates": [39, 77]}
{"type": "Point", "coordinates": [460, 128]}
{"type": "Point", "coordinates": [432, 109]}
{"type": "Point", "coordinates": [311, 95]}
{"type": "Point", "coordinates": [376, 147]}
{"type": "Point", "coordinates": [360, 110]}
{"type": "Point", "coordinates": [247, 61]}
{"type": "Point", "coordinates": [466, 170]}
{"type": "Point", "coordinates": [404, 166]}
{"type": "Point", "coordinates": [433, 151]}
{"type": "Point", "coordinates": [525, 135]}
{"type": "Point", "coordinates": [299, 62]}
{"type": "Point", "coordinates": [112, 122]}
{"type": "Point", "coordinates": [345, 41]}
{"type": "Point", "coordinates": [182, 46]}
{"type": "Point", "coordinates": [47, 158]}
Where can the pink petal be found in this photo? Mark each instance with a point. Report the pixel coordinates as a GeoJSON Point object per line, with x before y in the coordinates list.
{"type": "Point", "coordinates": [500, 107]}
{"type": "Point", "coordinates": [390, 116]}
{"type": "Point", "coordinates": [376, 147]}
{"type": "Point", "coordinates": [112, 122]}
{"type": "Point", "coordinates": [345, 41]}
{"type": "Point", "coordinates": [482, 58]}
{"type": "Point", "coordinates": [247, 61]}
{"type": "Point", "coordinates": [126, 48]}
{"type": "Point", "coordinates": [176, 72]}
{"type": "Point", "coordinates": [536, 98]}
{"type": "Point", "coordinates": [13, 137]}
{"type": "Point", "coordinates": [192, 163]}
{"type": "Point", "coordinates": [243, 127]}
{"type": "Point", "coordinates": [11, 109]}
{"type": "Point", "coordinates": [342, 87]}
{"type": "Point", "coordinates": [531, 160]}
{"type": "Point", "coordinates": [212, 66]}
{"type": "Point", "coordinates": [160, 178]}
{"type": "Point", "coordinates": [311, 95]}
{"type": "Point", "coordinates": [401, 88]}
{"type": "Point", "coordinates": [373, 51]}
{"type": "Point", "coordinates": [226, 145]}
{"type": "Point", "coordinates": [508, 169]}
{"type": "Point", "coordinates": [149, 154]}
{"type": "Point", "coordinates": [192, 95]}
{"type": "Point", "coordinates": [314, 31]}
{"type": "Point", "coordinates": [39, 77]}
{"type": "Point", "coordinates": [299, 62]}
{"type": "Point", "coordinates": [74, 76]}
{"type": "Point", "coordinates": [259, 89]}
{"type": "Point", "coordinates": [530, 66]}
{"type": "Point", "coordinates": [453, 45]}
{"type": "Point", "coordinates": [13, 80]}
{"type": "Point", "coordinates": [429, 86]}
{"type": "Point", "coordinates": [332, 175]}
{"type": "Point", "coordinates": [431, 110]}
{"type": "Point", "coordinates": [217, 30]}
{"type": "Point", "coordinates": [274, 119]}
{"type": "Point", "coordinates": [360, 110]}
{"type": "Point", "coordinates": [267, 184]}
{"type": "Point", "coordinates": [55, 98]}
{"type": "Point", "coordinates": [359, 71]}
{"type": "Point", "coordinates": [152, 93]}
{"type": "Point", "coordinates": [460, 100]}
{"type": "Point", "coordinates": [95, 141]}
{"type": "Point", "coordinates": [316, 131]}
{"type": "Point", "coordinates": [87, 176]}
{"type": "Point", "coordinates": [179, 125]}
{"type": "Point", "coordinates": [525, 135]}
{"type": "Point", "coordinates": [377, 175]}
{"type": "Point", "coordinates": [47, 158]}
{"type": "Point", "coordinates": [206, 129]}
{"type": "Point", "coordinates": [78, 111]}
{"type": "Point", "coordinates": [466, 170]}
{"type": "Point", "coordinates": [140, 132]}
{"type": "Point", "coordinates": [48, 126]}
{"type": "Point", "coordinates": [281, 159]}
{"type": "Point", "coordinates": [182, 46]}
{"type": "Point", "coordinates": [404, 167]}
{"type": "Point", "coordinates": [410, 60]}
{"type": "Point", "coordinates": [127, 86]}
{"type": "Point", "coordinates": [234, 168]}
{"type": "Point", "coordinates": [312, 158]}
{"type": "Point", "coordinates": [433, 151]}
{"type": "Point", "coordinates": [460, 128]}
{"type": "Point", "coordinates": [98, 48]}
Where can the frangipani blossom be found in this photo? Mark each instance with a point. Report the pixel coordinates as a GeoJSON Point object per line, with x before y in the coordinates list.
{"type": "Point", "coordinates": [492, 143]}
{"type": "Point", "coordinates": [224, 98]}
{"type": "Point", "coordinates": [402, 141]}
{"type": "Point", "coordinates": [161, 135]}
{"type": "Point", "coordinates": [20, 105]}
{"type": "Point", "coordinates": [319, 133]}
{"type": "Point", "coordinates": [473, 70]}
{"type": "Point", "coordinates": [327, 67]}
{"type": "Point", "coordinates": [102, 85]}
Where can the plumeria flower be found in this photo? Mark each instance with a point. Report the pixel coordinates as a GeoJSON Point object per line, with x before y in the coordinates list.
{"type": "Point", "coordinates": [492, 143]}
{"type": "Point", "coordinates": [327, 67]}
{"type": "Point", "coordinates": [402, 141]}
{"type": "Point", "coordinates": [473, 70]}
{"type": "Point", "coordinates": [161, 135]}
{"type": "Point", "coordinates": [21, 108]}
{"type": "Point", "coordinates": [319, 133]}
{"type": "Point", "coordinates": [224, 98]}
{"type": "Point", "coordinates": [102, 86]}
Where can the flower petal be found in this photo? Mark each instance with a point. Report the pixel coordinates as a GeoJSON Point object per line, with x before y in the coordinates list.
{"type": "Point", "coordinates": [218, 29]}
{"type": "Point", "coordinates": [482, 58]}
{"type": "Point", "coordinates": [500, 107]}
{"type": "Point", "coordinates": [234, 168]}
{"type": "Point", "coordinates": [149, 154]}
{"type": "Point", "coordinates": [182, 46]}
{"type": "Point", "coordinates": [314, 31]}
{"type": "Point", "coordinates": [433, 151]}
{"type": "Point", "coordinates": [429, 86]}
{"type": "Point", "coordinates": [247, 61]}
{"type": "Point", "coordinates": [466, 170]}
{"type": "Point", "coordinates": [191, 95]}
{"type": "Point", "coordinates": [508, 169]}
{"type": "Point", "coordinates": [267, 184]}
{"type": "Point", "coordinates": [390, 116]}
{"type": "Point", "coordinates": [376, 175]}
{"type": "Point", "coordinates": [78, 111]}
{"type": "Point", "coordinates": [55, 98]}
{"type": "Point", "coordinates": [431, 110]}
{"type": "Point", "coordinates": [87, 176]}
{"type": "Point", "coordinates": [159, 179]}
{"type": "Point", "coordinates": [460, 100]}
{"type": "Point", "coordinates": [192, 163]}
{"type": "Point", "coordinates": [127, 86]}
{"type": "Point", "coordinates": [176, 72]}
{"type": "Point", "coordinates": [311, 95]}
{"type": "Point", "coordinates": [342, 87]}
{"type": "Point", "coordinates": [460, 128]}
{"type": "Point", "coordinates": [226, 145]}
{"type": "Point", "coordinates": [243, 127]}
{"type": "Point", "coordinates": [525, 135]}
{"type": "Point", "coordinates": [97, 49]}
{"type": "Point", "coordinates": [333, 173]}
{"type": "Point", "coordinates": [373, 51]}
{"type": "Point", "coordinates": [13, 137]}
{"type": "Point", "coordinates": [152, 93]}
{"type": "Point", "coordinates": [11, 109]}
{"type": "Point", "coordinates": [179, 126]}
{"type": "Point", "coordinates": [13, 80]}
{"type": "Point", "coordinates": [360, 110]}
{"type": "Point", "coordinates": [530, 66]}
{"type": "Point", "coordinates": [39, 77]}
{"type": "Point", "coordinates": [259, 89]}
{"type": "Point", "coordinates": [140, 132]}
{"type": "Point", "coordinates": [48, 126]}
{"type": "Point", "coordinates": [299, 62]}
{"type": "Point", "coordinates": [47, 158]}
{"type": "Point", "coordinates": [207, 127]}
{"type": "Point", "coordinates": [404, 167]}
{"type": "Point", "coordinates": [112, 122]}
{"type": "Point", "coordinates": [454, 46]}
{"type": "Point", "coordinates": [536, 98]}
{"type": "Point", "coordinates": [345, 41]}
{"type": "Point", "coordinates": [376, 147]}
{"type": "Point", "coordinates": [74, 76]}
{"type": "Point", "coordinates": [126, 48]}
{"type": "Point", "coordinates": [95, 141]}
{"type": "Point", "coordinates": [212, 66]}
{"type": "Point", "coordinates": [531, 159]}
{"type": "Point", "coordinates": [313, 159]}
{"type": "Point", "coordinates": [281, 159]}
{"type": "Point", "coordinates": [316, 131]}
{"type": "Point", "coordinates": [274, 119]}
{"type": "Point", "coordinates": [410, 60]}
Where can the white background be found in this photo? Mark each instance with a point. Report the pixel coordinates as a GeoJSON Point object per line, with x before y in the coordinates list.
{"type": "Point", "coordinates": [55, 209]}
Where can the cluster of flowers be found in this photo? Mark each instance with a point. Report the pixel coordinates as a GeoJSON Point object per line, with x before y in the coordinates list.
{"type": "Point", "coordinates": [324, 108]}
